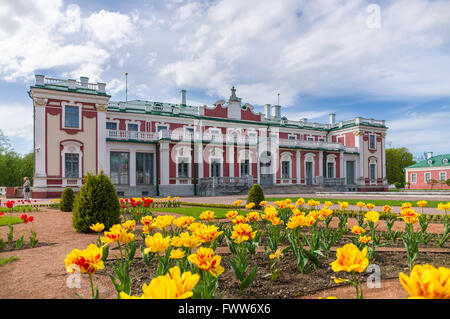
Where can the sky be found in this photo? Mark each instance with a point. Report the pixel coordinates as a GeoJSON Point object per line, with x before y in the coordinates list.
{"type": "Point", "coordinates": [387, 60]}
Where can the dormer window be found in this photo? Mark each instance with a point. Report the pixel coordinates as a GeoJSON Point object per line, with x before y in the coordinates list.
{"type": "Point", "coordinates": [430, 162]}
{"type": "Point", "coordinates": [445, 160]}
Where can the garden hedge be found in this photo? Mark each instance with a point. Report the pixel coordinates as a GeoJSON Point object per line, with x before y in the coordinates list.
{"type": "Point", "coordinates": [67, 198]}
{"type": "Point", "coordinates": [97, 202]}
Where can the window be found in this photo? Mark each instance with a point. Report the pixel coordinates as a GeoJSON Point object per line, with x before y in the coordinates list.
{"type": "Point", "coordinates": [133, 127]}
{"type": "Point", "coordinates": [372, 142]}
{"type": "Point", "coordinates": [215, 134]}
{"type": "Point", "coordinates": [310, 139]}
{"type": "Point", "coordinates": [144, 168]}
{"type": "Point", "coordinates": [443, 176]}
{"type": "Point", "coordinates": [427, 177]}
{"type": "Point", "coordinates": [285, 169]}
{"type": "Point", "coordinates": [183, 167]}
{"type": "Point", "coordinates": [111, 126]}
{"type": "Point", "coordinates": [162, 128]}
{"type": "Point", "coordinates": [71, 165]}
{"type": "Point", "coordinates": [119, 167]}
{"type": "Point", "coordinates": [321, 139]}
{"type": "Point", "coordinates": [292, 137]}
{"type": "Point", "coordinates": [215, 168]}
{"type": "Point", "coordinates": [189, 132]}
{"type": "Point", "coordinates": [330, 170]}
{"type": "Point", "coordinates": [413, 178]}
{"type": "Point", "coordinates": [373, 171]}
{"type": "Point", "coordinates": [245, 167]}
{"type": "Point", "coordinates": [71, 116]}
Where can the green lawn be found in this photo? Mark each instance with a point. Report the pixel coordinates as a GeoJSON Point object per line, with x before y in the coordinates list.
{"type": "Point", "coordinates": [377, 202]}
{"type": "Point", "coordinates": [5, 220]}
{"type": "Point", "coordinates": [194, 211]}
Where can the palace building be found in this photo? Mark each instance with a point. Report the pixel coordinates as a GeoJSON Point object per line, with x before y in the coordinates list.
{"type": "Point", "coordinates": [434, 171]}
{"type": "Point", "coordinates": [150, 148]}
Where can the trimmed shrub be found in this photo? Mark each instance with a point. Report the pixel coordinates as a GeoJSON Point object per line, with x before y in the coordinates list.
{"type": "Point", "coordinates": [97, 202]}
{"type": "Point", "coordinates": [255, 195]}
{"type": "Point", "coordinates": [67, 197]}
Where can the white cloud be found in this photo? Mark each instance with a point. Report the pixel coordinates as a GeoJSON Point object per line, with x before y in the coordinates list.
{"type": "Point", "coordinates": [421, 131]}
{"type": "Point", "coordinates": [44, 35]}
{"type": "Point", "coordinates": [16, 121]}
{"type": "Point", "coordinates": [312, 47]}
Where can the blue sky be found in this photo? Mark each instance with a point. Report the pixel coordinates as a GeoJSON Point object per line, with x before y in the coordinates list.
{"type": "Point", "coordinates": [377, 59]}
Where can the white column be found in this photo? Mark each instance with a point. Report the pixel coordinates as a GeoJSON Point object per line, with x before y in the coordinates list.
{"type": "Point", "coordinates": [164, 163]}
{"type": "Point", "coordinates": [101, 143]}
{"type": "Point", "coordinates": [341, 164]}
{"type": "Point", "coordinates": [39, 151]}
{"type": "Point", "coordinates": [199, 158]}
{"type": "Point", "coordinates": [360, 145]}
{"type": "Point", "coordinates": [132, 167]}
{"type": "Point", "coordinates": [383, 140]}
{"type": "Point", "coordinates": [297, 158]}
{"type": "Point", "coordinates": [321, 164]}
{"type": "Point", "coordinates": [230, 159]}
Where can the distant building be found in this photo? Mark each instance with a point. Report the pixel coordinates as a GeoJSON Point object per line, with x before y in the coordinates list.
{"type": "Point", "coordinates": [437, 168]}
{"type": "Point", "coordinates": [150, 148]}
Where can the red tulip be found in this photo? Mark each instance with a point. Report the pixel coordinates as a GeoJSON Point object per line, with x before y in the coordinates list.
{"type": "Point", "coordinates": [123, 206]}
{"type": "Point", "coordinates": [30, 219]}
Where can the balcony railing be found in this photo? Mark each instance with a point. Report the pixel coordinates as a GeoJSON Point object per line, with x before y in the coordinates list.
{"type": "Point", "coordinates": [222, 138]}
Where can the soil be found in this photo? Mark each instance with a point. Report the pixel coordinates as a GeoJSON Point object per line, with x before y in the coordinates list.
{"type": "Point", "coordinates": [291, 283]}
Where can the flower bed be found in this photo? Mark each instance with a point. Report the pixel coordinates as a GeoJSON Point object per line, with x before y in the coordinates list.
{"type": "Point", "coordinates": [184, 257]}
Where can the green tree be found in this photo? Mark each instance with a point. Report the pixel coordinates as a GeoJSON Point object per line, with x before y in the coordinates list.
{"type": "Point", "coordinates": [396, 161]}
{"type": "Point", "coordinates": [13, 166]}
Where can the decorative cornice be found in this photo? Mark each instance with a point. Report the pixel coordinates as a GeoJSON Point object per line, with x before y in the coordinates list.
{"type": "Point", "coordinates": [40, 101]}
{"type": "Point", "coordinates": [101, 107]}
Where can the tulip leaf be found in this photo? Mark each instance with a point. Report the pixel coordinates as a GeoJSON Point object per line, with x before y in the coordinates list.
{"type": "Point", "coordinates": [249, 279]}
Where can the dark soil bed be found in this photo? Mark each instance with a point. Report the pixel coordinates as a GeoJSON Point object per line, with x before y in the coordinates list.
{"type": "Point", "coordinates": [26, 245]}
{"type": "Point", "coordinates": [290, 283]}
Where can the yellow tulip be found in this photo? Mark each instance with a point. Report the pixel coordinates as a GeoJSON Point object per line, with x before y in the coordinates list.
{"type": "Point", "coordinates": [183, 221]}
{"type": "Point", "coordinates": [343, 205]}
{"type": "Point", "coordinates": [88, 260]}
{"type": "Point", "coordinates": [97, 227]}
{"type": "Point", "coordinates": [372, 216]}
{"type": "Point", "coordinates": [428, 282]}
{"type": "Point", "coordinates": [350, 258]}
{"type": "Point", "coordinates": [156, 243]}
{"type": "Point", "coordinates": [177, 254]}
{"type": "Point", "coordinates": [207, 215]}
{"type": "Point", "coordinates": [232, 214]}
{"type": "Point", "coordinates": [387, 208]}
{"type": "Point", "coordinates": [237, 203]}
{"type": "Point", "coordinates": [208, 233]}
{"type": "Point", "coordinates": [250, 205]}
{"type": "Point", "coordinates": [242, 232]}
{"type": "Point", "coordinates": [129, 224]}
{"type": "Point", "coordinates": [409, 216]}
{"type": "Point", "coordinates": [173, 285]}
{"type": "Point", "coordinates": [277, 255]}
{"type": "Point", "coordinates": [300, 202]}
{"type": "Point", "coordinates": [357, 230]}
{"type": "Point", "coordinates": [364, 239]}
{"type": "Point", "coordinates": [206, 260]}
{"type": "Point", "coordinates": [252, 216]}
{"type": "Point", "coordinates": [262, 203]}
{"type": "Point", "coordinates": [370, 206]}
{"type": "Point", "coordinates": [360, 204]}
{"type": "Point", "coordinates": [422, 203]}
{"type": "Point", "coordinates": [239, 219]}
{"type": "Point", "coordinates": [163, 221]}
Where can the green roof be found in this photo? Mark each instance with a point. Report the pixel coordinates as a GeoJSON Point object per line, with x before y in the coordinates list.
{"type": "Point", "coordinates": [435, 161]}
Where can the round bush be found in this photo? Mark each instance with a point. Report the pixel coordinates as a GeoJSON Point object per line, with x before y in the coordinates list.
{"type": "Point", "coordinates": [255, 195]}
{"type": "Point", "coordinates": [97, 202]}
{"type": "Point", "coordinates": [67, 197]}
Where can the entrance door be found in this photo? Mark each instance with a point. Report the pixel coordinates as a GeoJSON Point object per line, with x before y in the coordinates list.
{"type": "Point", "coordinates": [350, 172]}
{"type": "Point", "coordinates": [309, 173]}
{"type": "Point", "coordinates": [265, 169]}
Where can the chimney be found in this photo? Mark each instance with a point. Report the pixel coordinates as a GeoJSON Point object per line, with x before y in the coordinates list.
{"type": "Point", "coordinates": [268, 110]}
{"type": "Point", "coordinates": [276, 111]}
{"type": "Point", "coordinates": [84, 81]}
{"type": "Point", "coordinates": [39, 79]}
{"type": "Point", "coordinates": [183, 97]}
{"type": "Point", "coordinates": [429, 155]}
{"type": "Point", "coordinates": [332, 118]}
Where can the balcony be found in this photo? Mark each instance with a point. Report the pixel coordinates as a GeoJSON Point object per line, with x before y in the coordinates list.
{"type": "Point", "coordinates": [222, 138]}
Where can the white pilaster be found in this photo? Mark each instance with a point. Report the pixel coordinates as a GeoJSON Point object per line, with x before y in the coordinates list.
{"type": "Point", "coordinates": [321, 164]}
{"type": "Point", "coordinates": [101, 141]}
{"type": "Point", "coordinates": [341, 164]}
{"type": "Point", "coordinates": [199, 159]}
{"type": "Point", "coordinates": [230, 159]}
{"type": "Point", "coordinates": [39, 147]}
{"type": "Point", "coordinates": [297, 158]}
{"type": "Point", "coordinates": [164, 163]}
{"type": "Point", "coordinates": [132, 167]}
